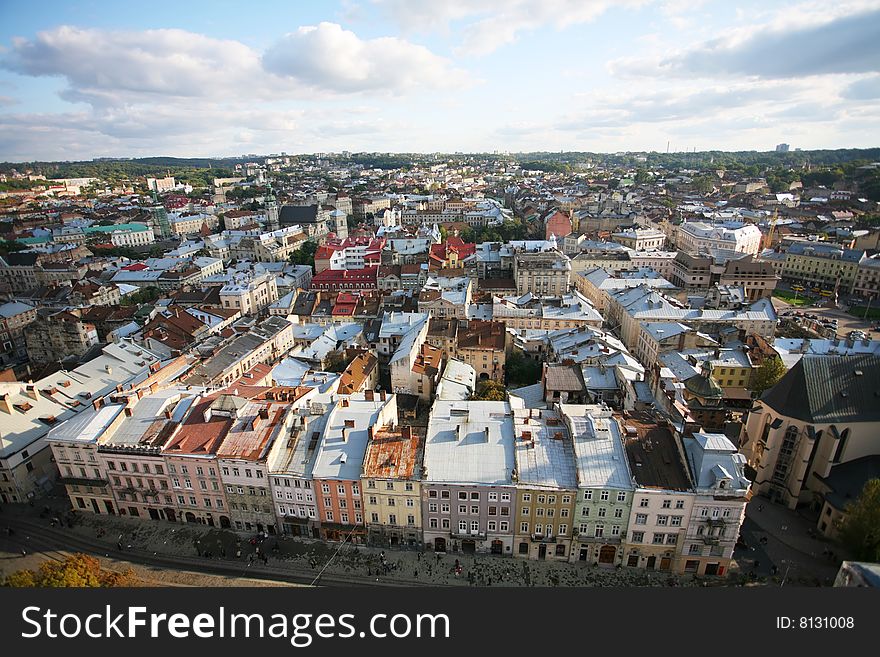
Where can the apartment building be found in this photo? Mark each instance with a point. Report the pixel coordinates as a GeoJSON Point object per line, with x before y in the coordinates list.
{"type": "Point", "coordinates": [290, 462]}
{"type": "Point", "coordinates": [640, 239]}
{"type": "Point", "coordinates": [266, 342]}
{"type": "Point", "coordinates": [446, 298]}
{"type": "Point", "coordinates": [663, 498]}
{"type": "Point", "coordinates": [14, 317]}
{"type": "Point", "coordinates": [131, 452]}
{"type": "Point", "coordinates": [339, 463]}
{"type": "Point", "coordinates": [191, 461]}
{"type": "Point", "coordinates": [541, 272]}
{"type": "Point", "coordinates": [468, 491]}
{"type": "Point", "coordinates": [546, 485]}
{"type": "Point", "coordinates": [696, 236]}
{"type": "Point", "coordinates": [55, 336]}
{"type": "Point", "coordinates": [827, 266]}
{"type": "Point", "coordinates": [483, 346]}
{"type": "Point", "coordinates": [604, 484]}
{"type": "Point", "coordinates": [28, 411]}
{"type": "Point", "coordinates": [391, 486]}
{"type": "Point", "coordinates": [721, 492]}
{"type": "Point", "coordinates": [242, 456]}
{"type": "Point", "coordinates": [656, 338]}
{"type": "Point", "coordinates": [249, 294]}
{"type": "Point", "coordinates": [443, 334]}
{"type": "Point", "coordinates": [74, 445]}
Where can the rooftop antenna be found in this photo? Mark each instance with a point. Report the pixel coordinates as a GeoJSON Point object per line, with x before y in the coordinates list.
{"type": "Point", "coordinates": [667, 146]}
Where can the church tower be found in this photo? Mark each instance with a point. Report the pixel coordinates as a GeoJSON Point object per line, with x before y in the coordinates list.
{"type": "Point", "coordinates": [271, 211]}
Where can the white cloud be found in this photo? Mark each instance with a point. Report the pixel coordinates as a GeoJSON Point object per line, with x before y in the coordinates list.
{"type": "Point", "coordinates": [103, 66]}
{"type": "Point", "coordinates": [807, 45]}
{"type": "Point", "coordinates": [328, 57]}
{"type": "Point", "coordinates": [491, 24]}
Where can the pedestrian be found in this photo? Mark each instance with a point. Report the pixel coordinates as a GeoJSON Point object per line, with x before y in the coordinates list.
{"type": "Point", "coordinates": [490, 581]}
{"type": "Point", "coordinates": [119, 545]}
{"type": "Point", "coordinates": [760, 507]}
{"type": "Point", "coordinates": [438, 558]}
{"type": "Point", "coordinates": [238, 553]}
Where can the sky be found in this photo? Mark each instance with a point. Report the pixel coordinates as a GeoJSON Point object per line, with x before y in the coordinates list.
{"type": "Point", "coordinates": [80, 80]}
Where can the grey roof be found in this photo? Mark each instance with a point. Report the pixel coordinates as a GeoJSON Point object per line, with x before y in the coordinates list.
{"type": "Point", "coordinates": [543, 449]}
{"type": "Point", "coordinates": [298, 214]}
{"type": "Point", "coordinates": [825, 389]}
{"type": "Point", "coordinates": [341, 450]}
{"type": "Point", "coordinates": [599, 453]}
{"type": "Point", "coordinates": [712, 458]}
{"type": "Point", "coordinates": [470, 442]}
{"type": "Point", "coordinates": [564, 377]}
{"type": "Point", "coordinates": [846, 480]}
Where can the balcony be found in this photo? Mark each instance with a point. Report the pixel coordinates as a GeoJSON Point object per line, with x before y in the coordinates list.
{"type": "Point", "coordinates": [540, 538]}
{"type": "Point", "coordinates": [716, 522]}
{"type": "Point", "coordinates": [709, 540]}
{"type": "Point", "coordinates": [83, 481]}
{"type": "Point", "coordinates": [479, 536]}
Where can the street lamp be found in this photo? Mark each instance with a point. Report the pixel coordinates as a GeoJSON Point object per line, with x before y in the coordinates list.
{"type": "Point", "coordinates": [785, 575]}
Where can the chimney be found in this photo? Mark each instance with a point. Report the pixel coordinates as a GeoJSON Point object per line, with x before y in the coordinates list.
{"type": "Point", "coordinates": [31, 391]}
{"type": "Point", "coordinates": [382, 395]}
{"type": "Point", "coordinates": [129, 411]}
{"type": "Point", "coordinates": [98, 403]}
{"type": "Point", "coordinates": [368, 395]}
{"type": "Point", "coordinates": [486, 431]}
{"type": "Point", "coordinates": [6, 404]}
{"type": "Point", "coordinates": [345, 433]}
{"type": "Point", "coordinates": [167, 414]}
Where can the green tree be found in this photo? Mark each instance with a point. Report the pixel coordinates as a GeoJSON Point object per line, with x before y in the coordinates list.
{"type": "Point", "coordinates": [521, 370]}
{"type": "Point", "coordinates": [335, 362]}
{"type": "Point", "coordinates": [305, 255]}
{"type": "Point", "coordinates": [144, 295]}
{"type": "Point", "coordinates": [489, 391]}
{"type": "Point", "coordinates": [860, 527]}
{"type": "Point", "coordinates": [768, 374]}
{"type": "Point", "coordinates": [77, 571]}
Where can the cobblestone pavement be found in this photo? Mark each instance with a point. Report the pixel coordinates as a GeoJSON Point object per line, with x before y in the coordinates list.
{"type": "Point", "coordinates": [775, 537]}
{"type": "Point", "coordinates": [322, 558]}
{"type": "Point", "coordinates": [786, 546]}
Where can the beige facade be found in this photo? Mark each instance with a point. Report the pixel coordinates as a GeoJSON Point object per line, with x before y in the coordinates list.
{"type": "Point", "coordinates": [543, 273]}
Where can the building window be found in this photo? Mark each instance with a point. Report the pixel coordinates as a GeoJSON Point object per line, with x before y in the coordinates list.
{"type": "Point", "coordinates": [679, 504]}
{"type": "Point", "coordinates": [638, 537]}
{"type": "Point", "coordinates": [641, 518]}
{"type": "Point", "coordinates": [643, 502]}
{"type": "Point", "coordinates": [600, 531]}
{"type": "Point", "coordinates": [526, 497]}
{"type": "Point", "coordinates": [588, 495]}
{"type": "Point", "coordinates": [604, 496]}
{"type": "Point", "coordinates": [524, 527]}
{"type": "Point", "coordinates": [662, 520]}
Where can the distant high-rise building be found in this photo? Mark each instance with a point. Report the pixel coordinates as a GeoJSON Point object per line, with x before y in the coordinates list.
{"type": "Point", "coordinates": [782, 148]}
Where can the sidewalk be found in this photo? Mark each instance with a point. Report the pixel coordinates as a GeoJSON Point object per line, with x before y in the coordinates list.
{"type": "Point", "coordinates": [789, 543]}
{"type": "Point", "coordinates": [334, 560]}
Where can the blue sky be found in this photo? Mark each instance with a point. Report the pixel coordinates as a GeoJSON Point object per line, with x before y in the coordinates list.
{"type": "Point", "coordinates": [102, 79]}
